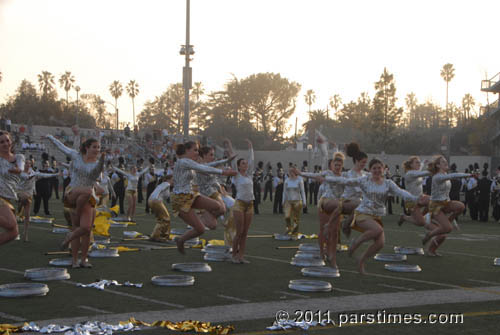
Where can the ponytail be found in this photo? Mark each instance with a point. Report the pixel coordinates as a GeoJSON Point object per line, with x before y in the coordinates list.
{"type": "Point", "coordinates": [407, 164]}
{"type": "Point", "coordinates": [352, 150]}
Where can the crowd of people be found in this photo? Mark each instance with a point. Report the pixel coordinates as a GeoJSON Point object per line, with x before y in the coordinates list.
{"type": "Point", "coordinates": [204, 191]}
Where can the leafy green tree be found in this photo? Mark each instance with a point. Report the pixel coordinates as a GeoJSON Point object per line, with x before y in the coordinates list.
{"type": "Point", "coordinates": [66, 81]}
{"type": "Point", "coordinates": [447, 73]}
{"type": "Point", "coordinates": [116, 90]}
{"type": "Point", "coordinates": [386, 116]}
{"type": "Point", "coordinates": [133, 91]}
{"type": "Point", "coordinates": [271, 101]}
{"type": "Point", "coordinates": [411, 105]}
{"type": "Point", "coordinates": [97, 107]}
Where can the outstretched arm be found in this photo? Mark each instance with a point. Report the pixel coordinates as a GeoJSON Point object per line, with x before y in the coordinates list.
{"type": "Point", "coordinates": [61, 147]}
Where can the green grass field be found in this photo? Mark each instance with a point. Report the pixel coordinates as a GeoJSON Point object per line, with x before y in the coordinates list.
{"type": "Point", "coordinates": [464, 281]}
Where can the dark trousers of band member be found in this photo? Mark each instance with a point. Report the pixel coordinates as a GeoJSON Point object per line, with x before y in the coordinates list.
{"type": "Point", "coordinates": [38, 200]}
{"type": "Point", "coordinates": [268, 187]}
{"type": "Point", "coordinates": [149, 189]}
{"type": "Point", "coordinates": [483, 209]}
{"type": "Point", "coordinates": [120, 197]}
{"type": "Point", "coordinates": [257, 194]}
{"type": "Point", "coordinates": [278, 197]}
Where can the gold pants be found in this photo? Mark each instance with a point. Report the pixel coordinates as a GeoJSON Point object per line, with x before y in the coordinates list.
{"type": "Point", "coordinates": [162, 228]}
{"type": "Point", "coordinates": [243, 206]}
{"type": "Point", "coordinates": [293, 209]}
{"type": "Point", "coordinates": [183, 202]}
{"type": "Point", "coordinates": [436, 206]}
{"type": "Point", "coordinates": [229, 228]}
{"type": "Point", "coordinates": [362, 217]}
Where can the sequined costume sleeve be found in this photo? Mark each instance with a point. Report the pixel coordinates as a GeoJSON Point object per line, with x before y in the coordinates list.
{"type": "Point", "coordinates": [345, 181]}
{"type": "Point", "coordinates": [9, 181]}
{"type": "Point", "coordinates": [251, 159]}
{"type": "Point", "coordinates": [217, 163]}
{"type": "Point", "coordinates": [184, 173]}
{"type": "Point", "coordinates": [396, 190]}
{"type": "Point", "coordinates": [126, 174]}
{"type": "Point", "coordinates": [143, 171]}
{"type": "Point", "coordinates": [64, 149]}
{"type": "Point", "coordinates": [441, 177]}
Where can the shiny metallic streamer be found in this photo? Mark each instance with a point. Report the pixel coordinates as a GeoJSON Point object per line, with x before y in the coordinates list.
{"type": "Point", "coordinates": [102, 284]}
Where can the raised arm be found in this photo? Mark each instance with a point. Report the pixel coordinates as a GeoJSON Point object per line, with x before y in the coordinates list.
{"type": "Point", "coordinates": [443, 177]}
{"type": "Point", "coordinates": [220, 161]}
{"type": "Point", "coordinates": [128, 175]}
{"type": "Point", "coordinates": [61, 147]}
{"type": "Point", "coordinates": [251, 157]}
{"type": "Point", "coordinates": [191, 164]}
{"type": "Point", "coordinates": [143, 171]}
{"type": "Point", "coordinates": [395, 190]}
{"type": "Point", "coordinates": [414, 174]}
{"type": "Point", "coordinates": [344, 180]}
{"type": "Point", "coordinates": [42, 175]}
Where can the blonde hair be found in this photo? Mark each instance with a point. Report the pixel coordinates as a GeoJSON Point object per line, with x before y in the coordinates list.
{"type": "Point", "coordinates": [433, 167]}
{"type": "Point", "coordinates": [338, 157]}
{"type": "Point", "coordinates": [407, 164]}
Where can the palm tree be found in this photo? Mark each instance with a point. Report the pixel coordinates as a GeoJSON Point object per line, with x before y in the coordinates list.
{"type": "Point", "coordinates": [77, 89]}
{"type": "Point", "coordinates": [116, 90]}
{"type": "Point", "coordinates": [66, 81]}
{"type": "Point", "coordinates": [468, 104]}
{"type": "Point", "coordinates": [310, 98]}
{"type": "Point", "coordinates": [447, 73]}
{"type": "Point", "coordinates": [133, 90]}
{"type": "Point", "coordinates": [46, 82]}
{"type": "Point", "coordinates": [335, 103]}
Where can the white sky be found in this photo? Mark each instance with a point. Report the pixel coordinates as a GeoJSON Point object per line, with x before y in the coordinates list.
{"type": "Point", "coordinates": [330, 46]}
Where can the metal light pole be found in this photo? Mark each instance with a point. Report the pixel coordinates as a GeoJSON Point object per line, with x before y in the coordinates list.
{"type": "Point", "coordinates": [187, 75]}
{"type": "Point", "coordinates": [77, 89]}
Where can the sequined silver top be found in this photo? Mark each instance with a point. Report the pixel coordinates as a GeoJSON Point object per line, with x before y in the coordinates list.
{"type": "Point", "coordinates": [330, 190]}
{"type": "Point", "coordinates": [244, 183]}
{"type": "Point", "coordinates": [161, 192]}
{"type": "Point", "coordinates": [441, 185]}
{"type": "Point", "coordinates": [353, 192]}
{"type": "Point", "coordinates": [28, 180]}
{"type": "Point", "coordinates": [184, 174]}
{"type": "Point", "coordinates": [374, 195]}
{"type": "Point", "coordinates": [9, 181]}
{"type": "Point", "coordinates": [82, 173]}
{"type": "Point", "coordinates": [413, 181]}
{"type": "Point", "coordinates": [293, 189]}
{"type": "Point", "coordinates": [208, 183]}
{"type": "Point", "coordinates": [132, 179]}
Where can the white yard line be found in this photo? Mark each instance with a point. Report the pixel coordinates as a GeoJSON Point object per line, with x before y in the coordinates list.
{"type": "Point", "coordinates": [484, 282]}
{"type": "Point", "coordinates": [293, 294]}
{"type": "Point", "coordinates": [11, 317]}
{"type": "Point", "coordinates": [397, 287]}
{"type": "Point", "coordinates": [232, 298]}
{"type": "Point", "coordinates": [92, 309]}
{"type": "Point", "coordinates": [348, 291]}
